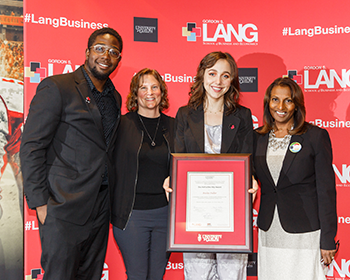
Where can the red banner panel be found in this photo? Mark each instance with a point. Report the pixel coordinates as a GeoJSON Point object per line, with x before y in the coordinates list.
{"type": "Point", "coordinates": [304, 40]}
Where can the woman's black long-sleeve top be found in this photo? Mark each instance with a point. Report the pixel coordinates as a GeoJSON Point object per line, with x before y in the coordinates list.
{"type": "Point", "coordinates": [130, 136]}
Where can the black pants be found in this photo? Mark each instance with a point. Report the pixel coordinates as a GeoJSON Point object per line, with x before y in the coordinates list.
{"type": "Point", "coordinates": [143, 244]}
{"type": "Point", "coordinates": [75, 252]}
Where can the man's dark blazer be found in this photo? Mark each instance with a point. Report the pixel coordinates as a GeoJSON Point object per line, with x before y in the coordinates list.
{"type": "Point", "coordinates": [305, 192]}
{"type": "Point", "coordinates": [237, 131]}
{"type": "Point", "coordinates": [63, 151]}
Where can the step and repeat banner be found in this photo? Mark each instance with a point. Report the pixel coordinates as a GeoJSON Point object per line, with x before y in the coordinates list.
{"type": "Point", "coordinates": [11, 121]}
{"type": "Point", "coordinates": [306, 41]}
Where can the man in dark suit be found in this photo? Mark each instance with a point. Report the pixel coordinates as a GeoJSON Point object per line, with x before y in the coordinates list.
{"type": "Point", "coordinates": [66, 150]}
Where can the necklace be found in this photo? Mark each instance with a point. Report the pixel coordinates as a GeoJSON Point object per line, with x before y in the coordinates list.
{"type": "Point", "coordinates": [149, 136]}
{"type": "Point", "coordinates": [278, 143]}
{"type": "Point", "coordinates": [207, 110]}
{"type": "Point", "coordinates": [214, 112]}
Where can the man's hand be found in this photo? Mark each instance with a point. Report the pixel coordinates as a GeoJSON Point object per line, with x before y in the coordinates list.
{"type": "Point", "coordinates": [42, 213]}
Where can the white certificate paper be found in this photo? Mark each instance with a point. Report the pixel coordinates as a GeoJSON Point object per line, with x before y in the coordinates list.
{"type": "Point", "coordinates": [209, 205]}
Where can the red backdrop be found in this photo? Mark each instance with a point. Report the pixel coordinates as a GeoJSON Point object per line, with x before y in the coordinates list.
{"type": "Point", "coordinates": [303, 39]}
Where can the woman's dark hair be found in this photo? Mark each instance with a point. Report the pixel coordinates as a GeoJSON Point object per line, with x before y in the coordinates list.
{"type": "Point", "coordinates": [298, 100]}
{"type": "Point", "coordinates": [137, 80]}
{"type": "Point", "coordinates": [197, 91]}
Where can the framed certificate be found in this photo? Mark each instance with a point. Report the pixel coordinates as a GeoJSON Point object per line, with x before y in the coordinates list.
{"type": "Point", "coordinates": [210, 207]}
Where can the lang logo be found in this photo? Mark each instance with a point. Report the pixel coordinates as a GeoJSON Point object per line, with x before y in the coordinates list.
{"type": "Point", "coordinates": [35, 274]}
{"type": "Point", "coordinates": [343, 269]}
{"type": "Point", "coordinates": [35, 72]}
{"type": "Point", "coordinates": [105, 272]}
{"type": "Point", "coordinates": [321, 79]}
{"type": "Point", "coordinates": [191, 32]}
{"type": "Point", "coordinates": [255, 219]}
{"type": "Point", "coordinates": [215, 32]}
{"type": "Point", "coordinates": [343, 175]}
{"type": "Point", "coordinates": [326, 77]}
{"type": "Point", "coordinates": [241, 33]}
{"type": "Point", "coordinates": [293, 74]}
{"type": "Point", "coordinates": [255, 122]}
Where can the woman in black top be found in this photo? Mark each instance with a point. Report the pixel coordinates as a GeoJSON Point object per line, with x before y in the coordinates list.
{"type": "Point", "coordinates": [214, 122]}
{"type": "Point", "coordinates": [139, 204]}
